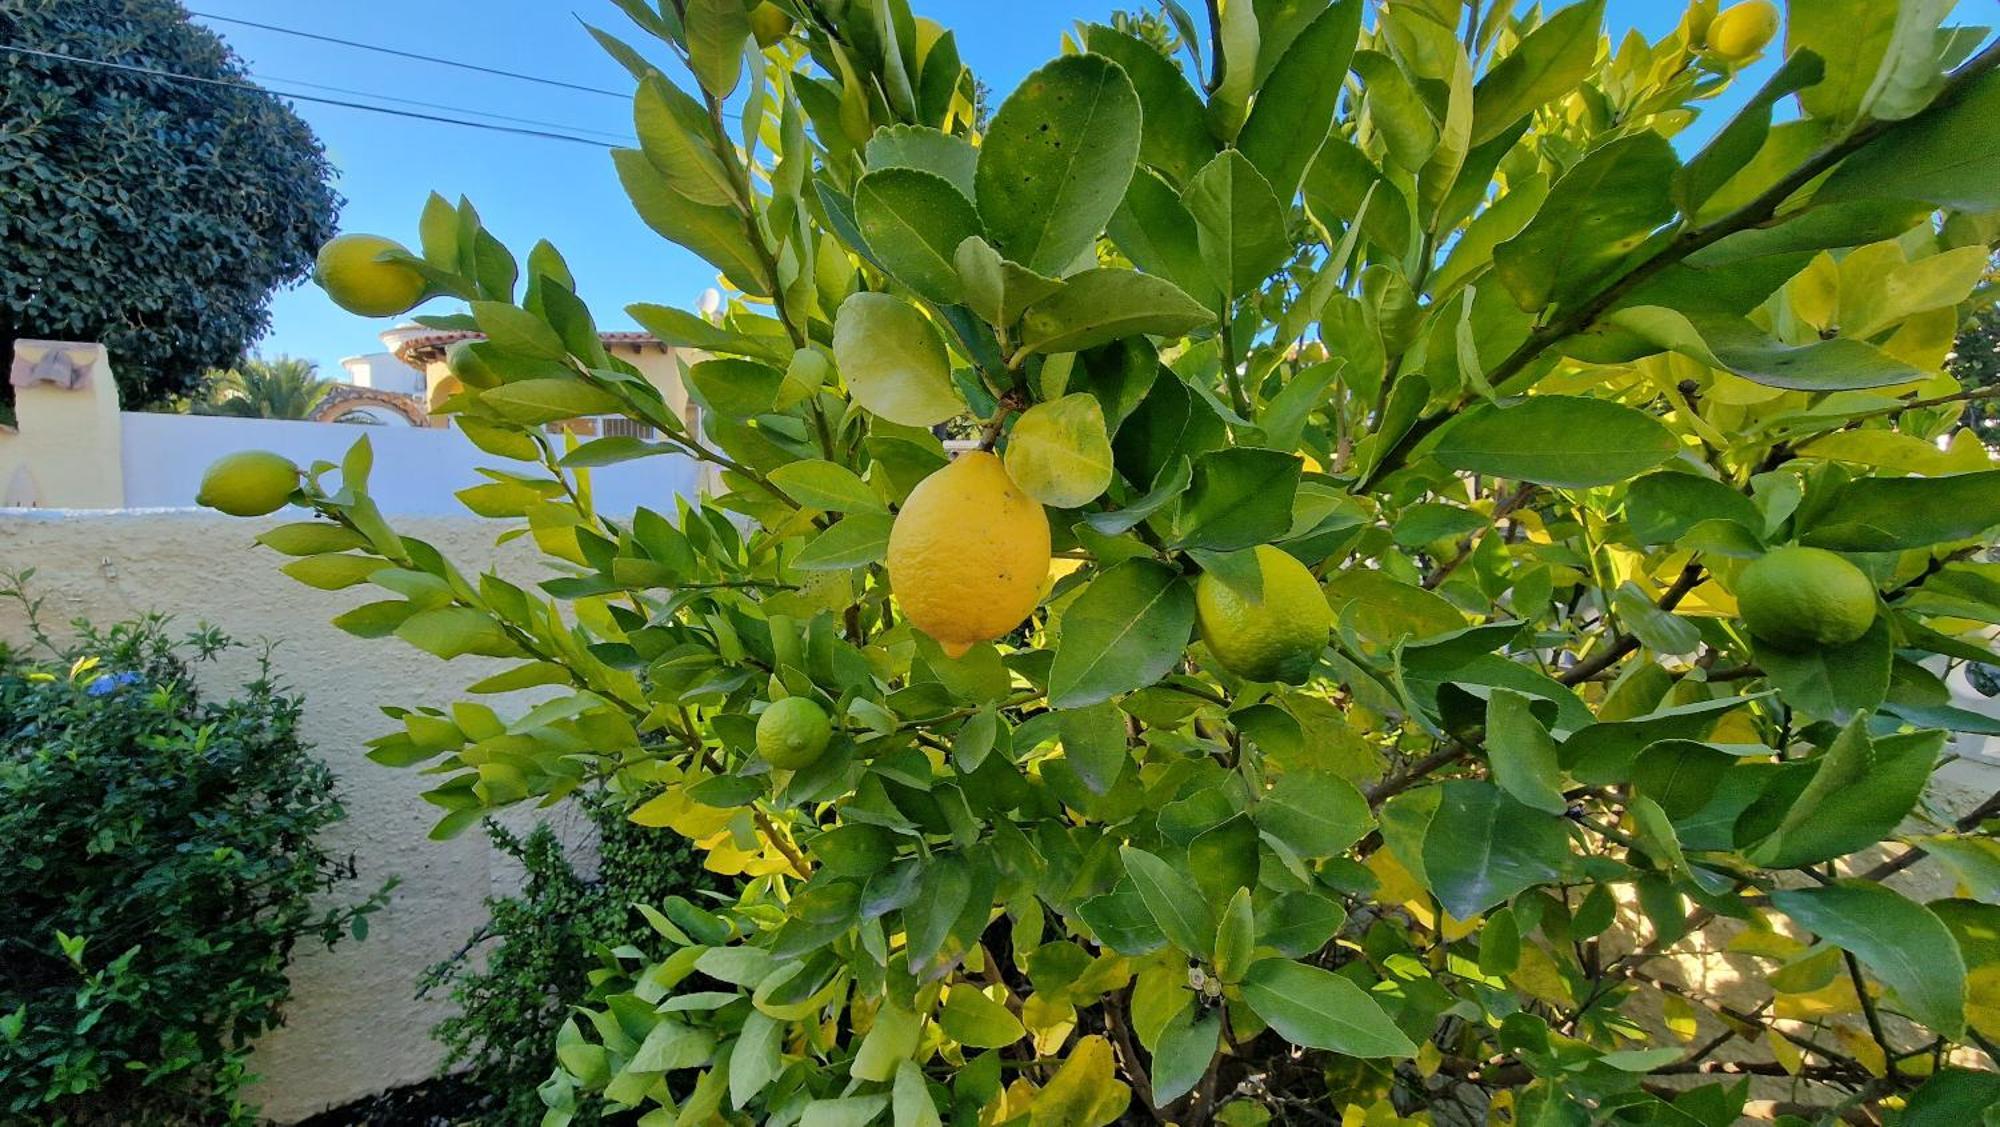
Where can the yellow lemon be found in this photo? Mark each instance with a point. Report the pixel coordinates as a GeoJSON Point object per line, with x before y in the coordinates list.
{"type": "Point", "coordinates": [793, 733]}
{"type": "Point", "coordinates": [769, 23]}
{"type": "Point", "coordinates": [347, 271]}
{"type": "Point", "coordinates": [1277, 637]}
{"type": "Point", "coordinates": [1798, 598]}
{"type": "Point", "coordinates": [1742, 31]}
{"type": "Point", "coordinates": [248, 483]}
{"type": "Point", "coordinates": [968, 553]}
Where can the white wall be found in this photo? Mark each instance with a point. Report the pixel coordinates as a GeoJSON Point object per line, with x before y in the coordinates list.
{"type": "Point", "coordinates": [355, 1025]}
{"type": "Point", "coordinates": [383, 372]}
{"type": "Point", "coordinates": [417, 469]}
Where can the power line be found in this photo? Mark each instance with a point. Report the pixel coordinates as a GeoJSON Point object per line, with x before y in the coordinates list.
{"type": "Point", "coordinates": [130, 68]}
{"type": "Point", "coordinates": [437, 106]}
{"type": "Point", "coordinates": [622, 96]}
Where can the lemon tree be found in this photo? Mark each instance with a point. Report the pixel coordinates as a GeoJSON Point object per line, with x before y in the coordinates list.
{"type": "Point", "coordinates": [1437, 523]}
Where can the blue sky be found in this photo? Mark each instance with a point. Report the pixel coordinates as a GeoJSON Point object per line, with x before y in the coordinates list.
{"type": "Point", "coordinates": [528, 188]}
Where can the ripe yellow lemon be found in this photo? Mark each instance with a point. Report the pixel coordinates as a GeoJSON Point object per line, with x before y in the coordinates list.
{"type": "Point", "coordinates": [793, 733]}
{"type": "Point", "coordinates": [968, 554]}
{"type": "Point", "coordinates": [346, 269]}
{"type": "Point", "coordinates": [1741, 32]}
{"type": "Point", "coordinates": [248, 483]}
{"type": "Point", "coordinates": [1277, 637]}
{"type": "Point", "coordinates": [1798, 598]}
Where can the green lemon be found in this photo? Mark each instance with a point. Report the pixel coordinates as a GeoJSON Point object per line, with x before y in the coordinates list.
{"type": "Point", "coordinates": [248, 483]}
{"type": "Point", "coordinates": [792, 733]}
{"type": "Point", "coordinates": [1277, 637]}
{"type": "Point", "coordinates": [1798, 598]}
{"type": "Point", "coordinates": [349, 273]}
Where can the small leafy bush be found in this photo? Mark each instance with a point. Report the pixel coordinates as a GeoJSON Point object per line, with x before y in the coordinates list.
{"type": "Point", "coordinates": [521, 973]}
{"type": "Point", "coordinates": [158, 861]}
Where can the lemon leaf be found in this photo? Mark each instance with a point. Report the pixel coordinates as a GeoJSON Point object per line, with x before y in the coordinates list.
{"type": "Point", "coordinates": [894, 361]}
{"type": "Point", "coordinates": [1059, 452]}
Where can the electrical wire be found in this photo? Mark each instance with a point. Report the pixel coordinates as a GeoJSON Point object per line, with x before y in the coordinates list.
{"type": "Point", "coordinates": [414, 55]}
{"type": "Point", "coordinates": [444, 108]}
{"type": "Point", "coordinates": [171, 75]}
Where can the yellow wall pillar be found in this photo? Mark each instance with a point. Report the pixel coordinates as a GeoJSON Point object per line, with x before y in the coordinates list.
{"type": "Point", "coordinates": [67, 449]}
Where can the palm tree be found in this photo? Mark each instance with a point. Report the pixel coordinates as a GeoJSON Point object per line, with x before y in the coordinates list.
{"type": "Point", "coordinates": [284, 388]}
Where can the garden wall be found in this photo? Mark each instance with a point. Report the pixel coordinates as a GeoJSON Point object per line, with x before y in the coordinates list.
{"type": "Point", "coordinates": [355, 1026]}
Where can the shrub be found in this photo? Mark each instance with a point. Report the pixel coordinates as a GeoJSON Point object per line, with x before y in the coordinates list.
{"type": "Point", "coordinates": [530, 965]}
{"type": "Point", "coordinates": [1439, 307]}
{"type": "Point", "coordinates": [158, 863]}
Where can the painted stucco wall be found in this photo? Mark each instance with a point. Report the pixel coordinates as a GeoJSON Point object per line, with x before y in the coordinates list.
{"type": "Point", "coordinates": [355, 1025]}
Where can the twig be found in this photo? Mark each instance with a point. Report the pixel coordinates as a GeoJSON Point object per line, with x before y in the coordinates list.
{"type": "Point", "coordinates": [1623, 643]}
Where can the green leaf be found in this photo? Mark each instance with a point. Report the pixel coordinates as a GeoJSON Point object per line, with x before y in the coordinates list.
{"type": "Point", "coordinates": [1884, 514]}
{"type": "Point", "coordinates": [1186, 1047]}
{"type": "Point", "coordinates": [534, 402]}
{"type": "Point", "coordinates": [1121, 921]}
{"type": "Point", "coordinates": [1398, 111]}
{"type": "Point", "coordinates": [449, 632]}
{"type": "Point", "coordinates": [311, 538]}
{"type": "Point", "coordinates": [680, 327]}
{"type": "Point", "coordinates": [1172, 483]}
{"type": "Point", "coordinates": [735, 389]}
{"type": "Point", "coordinates": [1318, 1009]}
{"type": "Point", "coordinates": [1176, 905]}
{"type": "Point", "coordinates": [1314, 814]}
{"type": "Point", "coordinates": [1236, 934]}
{"type": "Point", "coordinates": [1173, 136]}
{"type": "Point", "coordinates": [819, 484]}
{"type": "Point", "coordinates": [1101, 305]}
{"type": "Point", "coordinates": [516, 330]}
{"type": "Point", "coordinates": [1059, 453]}
{"type": "Point", "coordinates": [1859, 793]}
{"type": "Point", "coordinates": [716, 33]}
{"type": "Point", "coordinates": [1124, 631]}
{"type": "Point", "coordinates": [1294, 108]}
{"type": "Point", "coordinates": [1240, 497]}
{"type": "Point", "coordinates": [1299, 923]}
{"type": "Point", "coordinates": [333, 571]}
{"type": "Point", "coordinates": [1902, 942]}
{"type": "Point", "coordinates": [1522, 753]}
{"type": "Point", "coordinates": [677, 137]}
{"type": "Point", "coordinates": [856, 541]}
{"type": "Point", "coordinates": [1224, 858]}
{"type": "Point", "coordinates": [893, 361]}
{"type": "Point", "coordinates": [755, 1059]}
{"type": "Point", "coordinates": [1736, 143]}
{"type": "Point", "coordinates": [1953, 1097]}
{"type": "Point", "coordinates": [1598, 213]}
{"type": "Point", "coordinates": [1055, 161]}
{"type": "Point", "coordinates": [1556, 440]}
{"type": "Point", "coordinates": [1153, 229]}
{"type": "Point", "coordinates": [1834, 682]}
{"type": "Point", "coordinates": [714, 233]}
{"type": "Point", "coordinates": [912, 1103]}
{"type": "Point", "coordinates": [1484, 847]}
{"type": "Point", "coordinates": [996, 289]}
{"type": "Point", "coordinates": [1239, 223]}
{"type": "Point", "coordinates": [889, 1042]}
{"type": "Point", "coordinates": [1500, 943]}
{"type": "Point", "coordinates": [926, 149]}
{"type": "Point", "coordinates": [1661, 508]}
{"type": "Point", "coordinates": [914, 222]}
{"type": "Point", "coordinates": [1553, 60]}
{"type": "Point", "coordinates": [1949, 156]}
{"type": "Point", "coordinates": [1739, 346]}
{"type": "Point", "coordinates": [613, 449]}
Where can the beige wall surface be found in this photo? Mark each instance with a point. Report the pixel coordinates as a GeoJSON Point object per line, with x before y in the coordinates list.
{"type": "Point", "coordinates": [355, 1025]}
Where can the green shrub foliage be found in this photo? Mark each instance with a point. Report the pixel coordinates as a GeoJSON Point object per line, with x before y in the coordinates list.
{"type": "Point", "coordinates": [523, 972]}
{"type": "Point", "coordinates": [154, 215]}
{"type": "Point", "coordinates": [1453, 304]}
{"type": "Point", "coordinates": [158, 865]}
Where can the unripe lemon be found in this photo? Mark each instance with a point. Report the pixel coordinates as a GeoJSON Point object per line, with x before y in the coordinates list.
{"type": "Point", "coordinates": [1742, 31]}
{"type": "Point", "coordinates": [1277, 637]}
{"type": "Point", "coordinates": [1798, 598]}
{"type": "Point", "coordinates": [248, 483]}
{"type": "Point", "coordinates": [769, 23]}
{"type": "Point", "coordinates": [347, 271]}
{"type": "Point", "coordinates": [968, 553]}
{"type": "Point", "coordinates": [792, 733]}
